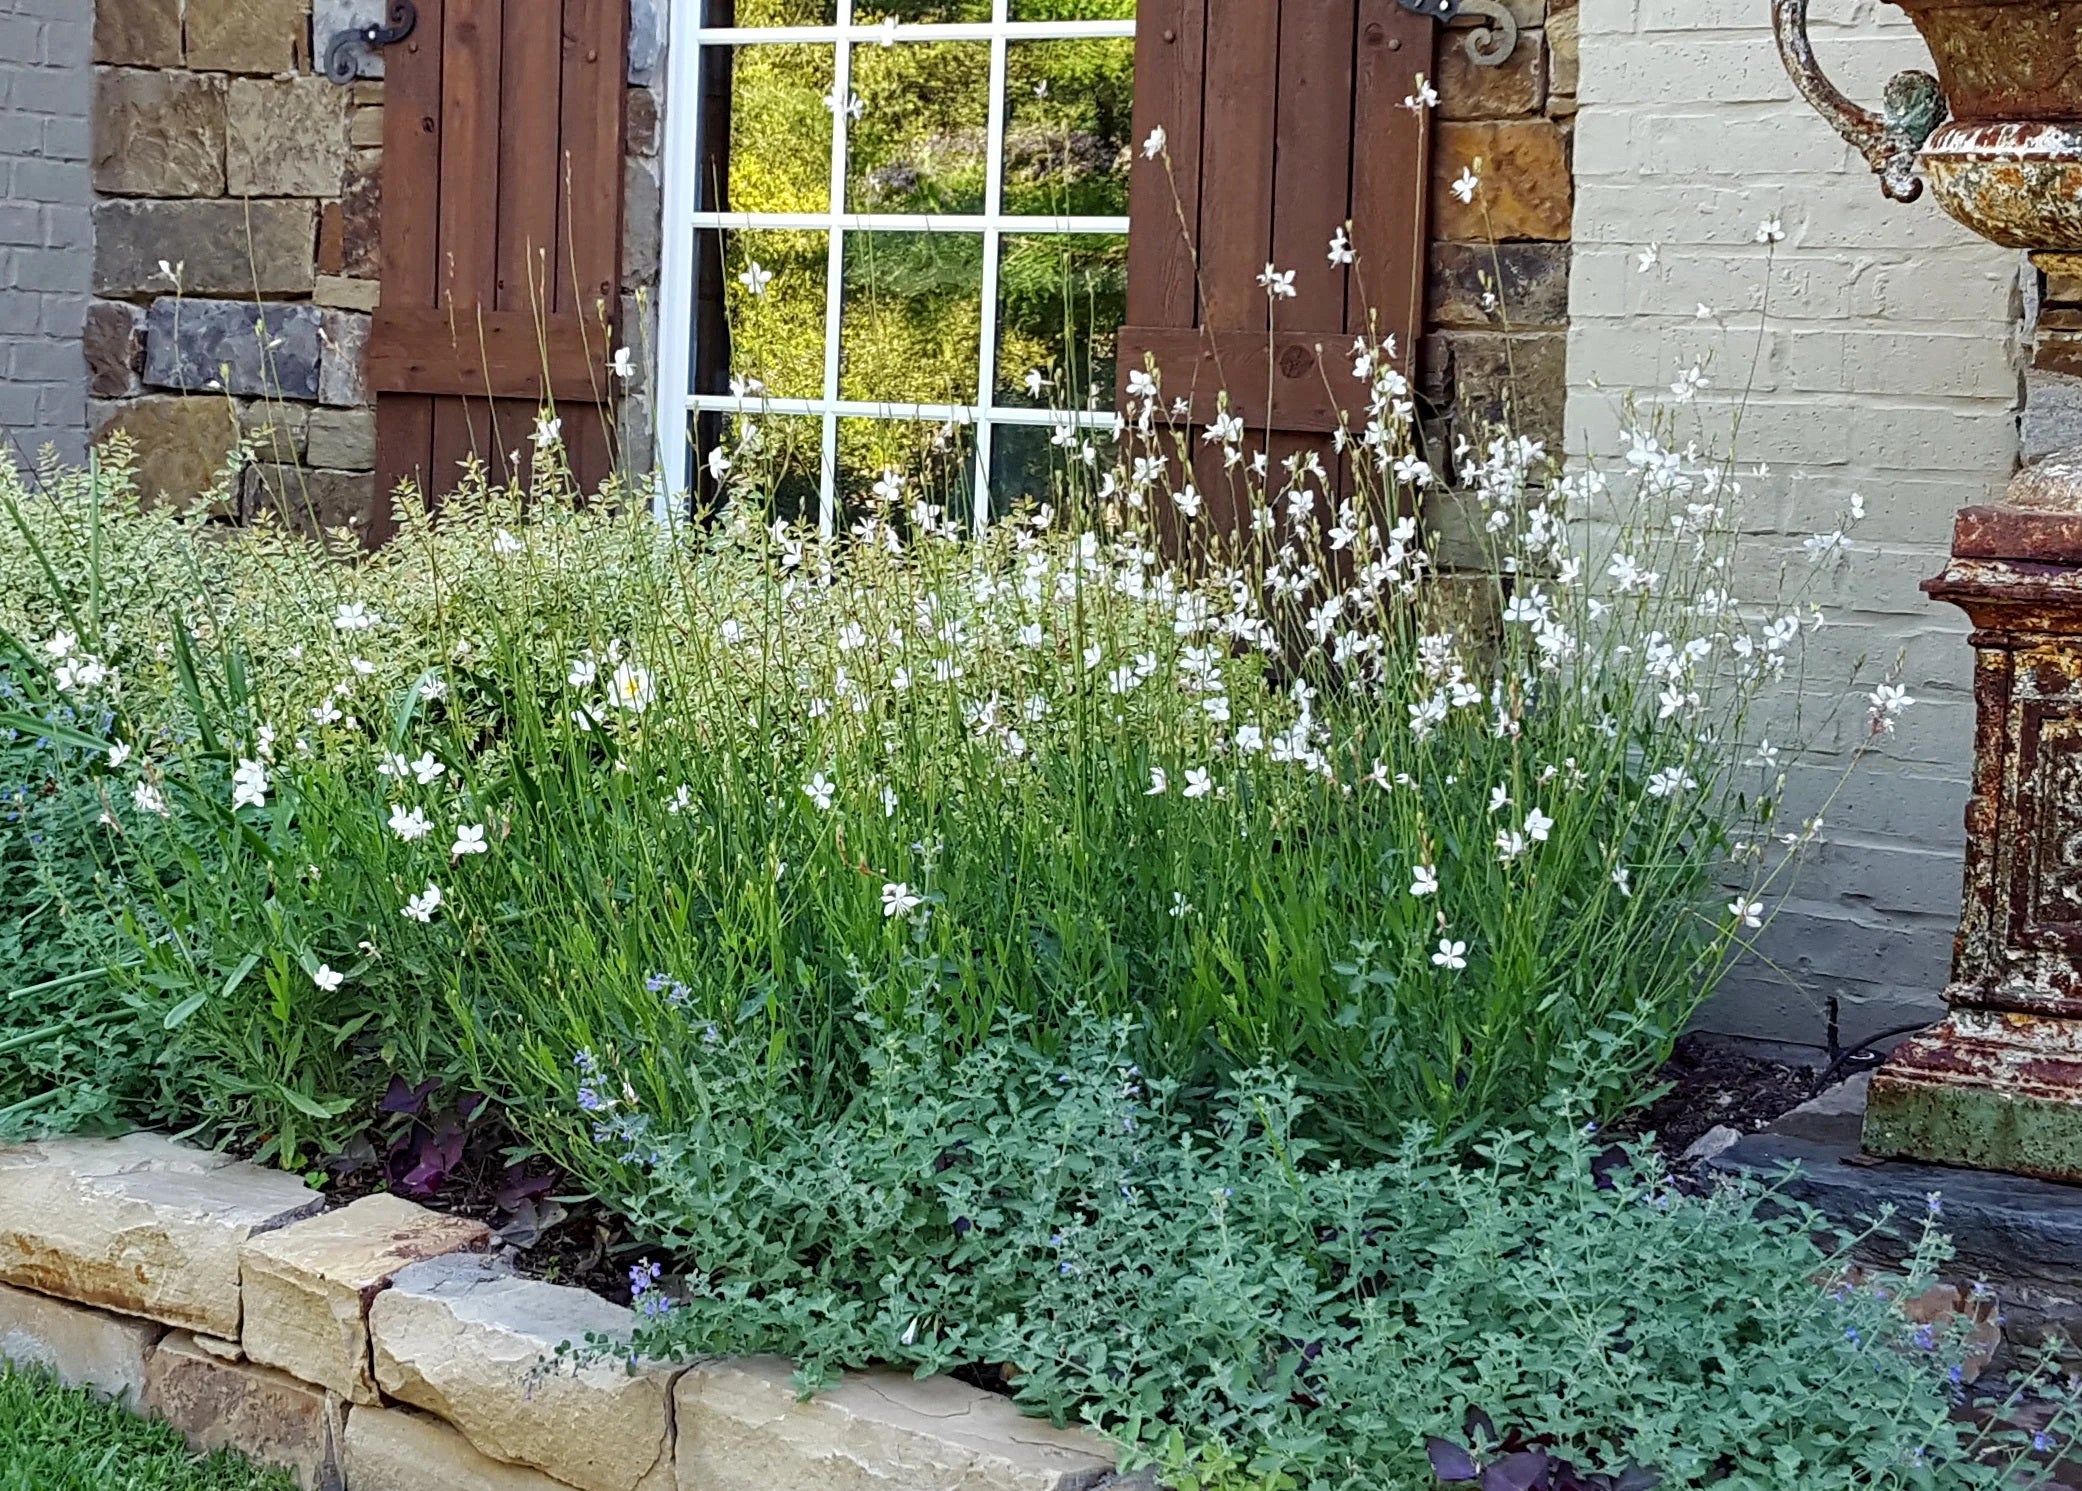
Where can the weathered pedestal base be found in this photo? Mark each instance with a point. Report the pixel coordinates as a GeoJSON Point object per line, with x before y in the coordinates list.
{"type": "Point", "coordinates": [1998, 1085]}
{"type": "Point", "coordinates": [1990, 1090]}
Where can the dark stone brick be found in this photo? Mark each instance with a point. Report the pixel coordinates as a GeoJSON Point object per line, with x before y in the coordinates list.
{"type": "Point", "coordinates": [1529, 283]}
{"type": "Point", "coordinates": [235, 347]}
{"type": "Point", "coordinates": [114, 343]}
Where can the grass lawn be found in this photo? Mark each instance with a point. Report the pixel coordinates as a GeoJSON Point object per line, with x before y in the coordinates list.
{"type": "Point", "coordinates": [56, 1439]}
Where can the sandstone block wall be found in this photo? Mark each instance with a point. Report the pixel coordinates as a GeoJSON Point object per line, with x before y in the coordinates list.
{"type": "Point", "coordinates": [1887, 366]}
{"type": "Point", "coordinates": [45, 234]}
{"type": "Point", "coordinates": [1497, 297]}
{"type": "Point", "coordinates": [235, 255]}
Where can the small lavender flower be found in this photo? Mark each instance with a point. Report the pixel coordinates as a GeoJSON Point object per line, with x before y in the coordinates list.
{"type": "Point", "coordinates": [2042, 1441]}
{"type": "Point", "coordinates": [586, 1061]}
{"type": "Point", "coordinates": [1936, 1202]}
{"type": "Point", "coordinates": [1926, 1338]}
{"type": "Point", "coordinates": [655, 983]}
{"type": "Point", "coordinates": [1850, 1334]}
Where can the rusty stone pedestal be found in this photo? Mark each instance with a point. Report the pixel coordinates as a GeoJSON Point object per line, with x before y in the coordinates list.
{"type": "Point", "coordinates": [1998, 1085]}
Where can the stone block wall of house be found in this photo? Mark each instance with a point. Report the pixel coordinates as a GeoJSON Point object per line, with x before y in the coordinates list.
{"type": "Point", "coordinates": [45, 193]}
{"type": "Point", "coordinates": [1497, 298]}
{"type": "Point", "coordinates": [1886, 364]}
{"type": "Point", "coordinates": [235, 254]}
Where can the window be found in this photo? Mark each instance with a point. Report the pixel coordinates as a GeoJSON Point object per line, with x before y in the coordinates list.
{"type": "Point", "coordinates": [896, 235]}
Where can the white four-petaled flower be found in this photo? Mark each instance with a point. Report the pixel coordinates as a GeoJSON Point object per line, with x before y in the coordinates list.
{"type": "Point", "coordinates": [469, 839]}
{"type": "Point", "coordinates": [421, 908]}
{"type": "Point", "coordinates": [1452, 955]}
{"type": "Point", "coordinates": [325, 978]}
{"type": "Point", "coordinates": [898, 899]}
{"type": "Point", "coordinates": [249, 785]}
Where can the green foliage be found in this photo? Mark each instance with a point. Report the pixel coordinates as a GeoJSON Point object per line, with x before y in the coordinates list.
{"type": "Point", "coordinates": [61, 1439]}
{"type": "Point", "coordinates": [1232, 1304]}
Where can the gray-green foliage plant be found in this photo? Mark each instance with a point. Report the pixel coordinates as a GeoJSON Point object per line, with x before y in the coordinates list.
{"type": "Point", "coordinates": [1230, 1301]}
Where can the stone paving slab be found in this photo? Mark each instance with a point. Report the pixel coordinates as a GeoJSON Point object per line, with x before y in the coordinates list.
{"type": "Point", "coordinates": [80, 1347]}
{"type": "Point", "coordinates": [265, 1415]}
{"type": "Point", "coordinates": [741, 1428]}
{"type": "Point", "coordinates": [464, 1338]}
{"type": "Point", "coordinates": [308, 1286]}
{"type": "Point", "coordinates": [139, 1225]}
{"type": "Point", "coordinates": [395, 1449]}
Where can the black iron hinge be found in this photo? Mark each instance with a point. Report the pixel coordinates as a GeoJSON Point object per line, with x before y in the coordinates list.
{"type": "Point", "coordinates": [341, 63]}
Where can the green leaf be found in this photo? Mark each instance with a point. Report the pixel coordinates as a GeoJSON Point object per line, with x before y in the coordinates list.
{"type": "Point", "coordinates": [178, 1015]}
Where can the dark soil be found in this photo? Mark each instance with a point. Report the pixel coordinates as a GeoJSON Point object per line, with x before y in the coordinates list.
{"type": "Point", "coordinates": [1709, 1084]}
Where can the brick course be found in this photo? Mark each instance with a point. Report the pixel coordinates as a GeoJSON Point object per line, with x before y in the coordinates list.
{"type": "Point", "coordinates": [1888, 368]}
{"type": "Point", "coordinates": [46, 93]}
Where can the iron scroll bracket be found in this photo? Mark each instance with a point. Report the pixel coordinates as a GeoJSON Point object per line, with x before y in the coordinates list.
{"type": "Point", "coordinates": [1488, 45]}
{"type": "Point", "coordinates": [341, 63]}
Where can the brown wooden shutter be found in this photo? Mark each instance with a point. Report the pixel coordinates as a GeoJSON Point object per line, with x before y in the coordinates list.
{"type": "Point", "coordinates": [1283, 120]}
{"type": "Point", "coordinates": [502, 235]}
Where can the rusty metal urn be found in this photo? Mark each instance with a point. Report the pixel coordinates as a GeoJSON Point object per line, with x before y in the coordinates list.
{"type": "Point", "coordinates": [1997, 135]}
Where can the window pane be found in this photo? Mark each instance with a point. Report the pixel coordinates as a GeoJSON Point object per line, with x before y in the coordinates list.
{"type": "Point", "coordinates": [1023, 466]}
{"type": "Point", "coordinates": [772, 13]}
{"type": "Point", "coordinates": [780, 131]}
{"type": "Point", "coordinates": [1068, 114]}
{"type": "Point", "coordinates": [1073, 10]}
{"type": "Point", "coordinates": [919, 142]}
{"type": "Point", "coordinates": [910, 12]}
{"type": "Point", "coordinates": [776, 332]}
{"type": "Point", "coordinates": [1061, 300]}
{"type": "Point", "coordinates": [932, 460]}
{"type": "Point", "coordinates": [912, 321]}
{"type": "Point", "coordinates": [781, 456]}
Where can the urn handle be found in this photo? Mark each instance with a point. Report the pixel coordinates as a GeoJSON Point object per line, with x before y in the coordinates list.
{"type": "Point", "coordinates": [1890, 141]}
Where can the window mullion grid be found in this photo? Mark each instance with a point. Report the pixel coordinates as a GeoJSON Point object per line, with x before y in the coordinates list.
{"type": "Point", "coordinates": [994, 209]}
{"type": "Point", "coordinates": [835, 267]}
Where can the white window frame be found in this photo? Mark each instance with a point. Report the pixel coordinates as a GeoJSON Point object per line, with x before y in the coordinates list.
{"type": "Point", "coordinates": [677, 402]}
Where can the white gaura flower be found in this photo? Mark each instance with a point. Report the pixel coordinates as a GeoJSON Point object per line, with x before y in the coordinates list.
{"type": "Point", "coordinates": [584, 670]}
{"type": "Point", "coordinates": [1649, 257]}
{"type": "Point", "coordinates": [631, 688]}
{"type": "Point", "coordinates": [898, 899]}
{"type": "Point", "coordinates": [718, 464]}
{"type": "Point", "coordinates": [394, 764]}
{"type": "Point", "coordinates": [854, 107]}
{"type": "Point", "coordinates": [1159, 782]}
{"type": "Point", "coordinates": [249, 785]}
{"type": "Point", "coordinates": [411, 825]}
{"type": "Point", "coordinates": [1766, 756]}
{"type": "Point", "coordinates": [1153, 146]}
{"type": "Point", "coordinates": [1499, 798]}
{"type": "Point", "coordinates": [354, 616]}
{"type": "Point", "coordinates": [624, 364]}
{"type": "Point", "coordinates": [819, 789]}
{"type": "Point", "coordinates": [1537, 826]}
{"type": "Point", "coordinates": [327, 712]}
{"type": "Point", "coordinates": [1689, 383]}
{"type": "Point", "coordinates": [1451, 956]}
{"type": "Point", "coordinates": [1426, 96]}
{"type": "Point", "coordinates": [118, 754]}
{"type": "Point", "coordinates": [1623, 878]}
{"type": "Point", "coordinates": [1180, 906]}
{"type": "Point", "coordinates": [1888, 701]}
{"type": "Point", "coordinates": [756, 277]}
{"type": "Point", "coordinates": [421, 908]}
{"type": "Point", "coordinates": [506, 545]}
{"type": "Point", "coordinates": [1670, 781]}
{"type": "Point", "coordinates": [1771, 230]}
{"type": "Point", "coordinates": [548, 431]}
{"type": "Point", "coordinates": [326, 979]}
{"type": "Point", "coordinates": [469, 839]}
{"type": "Point", "coordinates": [888, 801]}
{"type": "Point", "coordinates": [1277, 283]}
{"type": "Point", "coordinates": [1466, 184]}
{"type": "Point", "coordinates": [1199, 781]}
{"type": "Point", "coordinates": [1030, 634]}
{"type": "Point", "coordinates": [1250, 739]}
{"type": "Point", "coordinates": [1510, 844]}
{"type": "Point", "coordinates": [149, 799]}
{"type": "Point", "coordinates": [427, 770]}
{"type": "Point", "coordinates": [1424, 881]}
{"type": "Point", "coordinates": [1340, 251]}
{"type": "Point", "coordinates": [61, 645]}
{"type": "Point", "coordinates": [1749, 913]}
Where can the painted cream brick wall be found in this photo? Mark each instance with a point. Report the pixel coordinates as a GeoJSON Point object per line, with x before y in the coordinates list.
{"type": "Point", "coordinates": [1885, 364]}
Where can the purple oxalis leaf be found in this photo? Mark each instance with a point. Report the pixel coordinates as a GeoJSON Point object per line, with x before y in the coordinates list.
{"type": "Point", "coordinates": [1449, 1462]}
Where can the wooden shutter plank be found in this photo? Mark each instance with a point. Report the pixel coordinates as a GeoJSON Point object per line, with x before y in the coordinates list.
{"type": "Point", "coordinates": [411, 244]}
{"type": "Point", "coordinates": [470, 45]}
{"type": "Point", "coordinates": [1391, 176]}
{"type": "Point", "coordinates": [530, 109]}
{"type": "Point", "coordinates": [1236, 159]}
{"type": "Point", "coordinates": [595, 43]}
{"type": "Point", "coordinates": [1313, 155]}
{"type": "Point", "coordinates": [1170, 41]}
{"type": "Point", "coordinates": [494, 354]}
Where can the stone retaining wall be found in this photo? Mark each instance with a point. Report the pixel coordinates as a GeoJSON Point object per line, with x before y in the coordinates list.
{"type": "Point", "coordinates": [379, 1347]}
